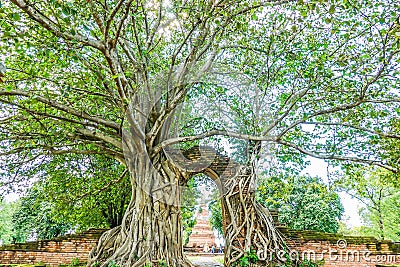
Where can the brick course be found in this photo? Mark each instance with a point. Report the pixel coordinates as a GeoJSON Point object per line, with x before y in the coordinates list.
{"type": "Point", "coordinates": [53, 252]}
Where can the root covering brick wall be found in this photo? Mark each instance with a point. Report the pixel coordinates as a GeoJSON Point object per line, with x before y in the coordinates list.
{"type": "Point", "coordinates": [336, 250]}
{"type": "Point", "coordinates": [52, 252]}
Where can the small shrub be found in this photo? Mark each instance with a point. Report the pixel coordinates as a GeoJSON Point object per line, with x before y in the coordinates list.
{"type": "Point", "coordinates": [249, 258]}
{"type": "Point", "coordinates": [75, 262]}
{"type": "Point", "coordinates": [162, 263]}
{"type": "Point", "coordinates": [112, 264]}
{"type": "Point", "coordinates": [299, 263]}
{"type": "Point", "coordinates": [309, 263]}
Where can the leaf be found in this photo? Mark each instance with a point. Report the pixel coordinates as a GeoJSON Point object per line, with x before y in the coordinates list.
{"type": "Point", "coordinates": [66, 11]}
{"type": "Point", "coordinates": [85, 27]}
{"type": "Point", "coordinates": [332, 9]}
{"type": "Point", "coordinates": [16, 17]}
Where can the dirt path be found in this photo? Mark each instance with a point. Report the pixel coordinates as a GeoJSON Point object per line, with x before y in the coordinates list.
{"type": "Point", "coordinates": [206, 262]}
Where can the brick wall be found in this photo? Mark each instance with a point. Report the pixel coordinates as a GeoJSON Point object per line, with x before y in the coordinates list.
{"type": "Point", "coordinates": [350, 251]}
{"type": "Point", "coordinates": [52, 252]}
{"type": "Point", "coordinates": [343, 251]}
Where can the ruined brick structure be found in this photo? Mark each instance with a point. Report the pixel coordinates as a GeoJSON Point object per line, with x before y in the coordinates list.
{"type": "Point", "coordinates": [201, 233]}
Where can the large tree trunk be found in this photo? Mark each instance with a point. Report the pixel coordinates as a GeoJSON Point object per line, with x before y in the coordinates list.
{"type": "Point", "coordinates": [150, 233]}
{"type": "Point", "coordinates": [151, 229]}
{"type": "Point", "coordinates": [249, 227]}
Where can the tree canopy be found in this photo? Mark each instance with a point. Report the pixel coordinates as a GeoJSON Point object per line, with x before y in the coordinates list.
{"type": "Point", "coordinates": [310, 70]}
{"type": "Point", "coordinates": [379, 194]}
{"type": "Point", "coordinates": [304, 203]}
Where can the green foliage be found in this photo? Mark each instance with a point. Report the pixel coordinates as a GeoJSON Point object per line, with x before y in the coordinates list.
{"type": "Point", "coordinates": [377, 189]}
{"type": "Point", "coordinates": [292, 71]}
{"type": "Point", "coordinates": [36, 217]}
{"type": "Point", "coordinates": [112, 264]}
{"type": "Point", "coordinates": [304, 203]}
{"type": "Point", "coordinates": [311, 263]}
{"type": "Point", "coordinates": [188, 208]}
{"type": "Point", "coordinates": [288, 261]}
{"type": "Point", "coordinates": [75, 262]}
{"type": "Point", "coordinates": [8, 233]}
{"type": "Point", "coordinates": [69, 197]}
{"type": "Point", "coordinates": [89, 191]}
{"type": "Point", "coordinates": [216, 215]}
{"type": "Point", "coordinates": [248, 259]}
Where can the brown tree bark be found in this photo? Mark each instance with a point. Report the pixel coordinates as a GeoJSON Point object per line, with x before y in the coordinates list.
{"type": "Point", "coordinates": [151, 229]}
{"type": "Point", "coordinates": [249, 227]}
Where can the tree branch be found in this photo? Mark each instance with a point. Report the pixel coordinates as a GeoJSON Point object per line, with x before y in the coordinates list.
{"type": "Point", "coordinates": [100, 136]}
{"type": "Point", "coordinates": [52, 27]}
{"type": "Point", "coordinates": [336, 157]}
{"type": "Point", "coordinates": [59, 106]}
{"type": "Point", "coordinates": [177, 140]}
{"type": "Point", "coordinates": [382, 134]}
{"type": "Point", "coordinates": [106, 186]}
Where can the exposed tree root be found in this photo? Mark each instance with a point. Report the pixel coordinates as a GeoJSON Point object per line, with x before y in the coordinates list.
{"type": "Point", "coordinates": [249, 227]}
{"type": "Point", "coordinates": [150, 233]}
{"type": "Point", "coordinates": [143, 239]}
